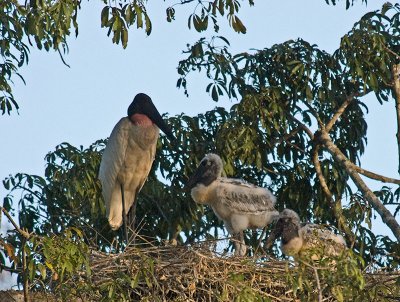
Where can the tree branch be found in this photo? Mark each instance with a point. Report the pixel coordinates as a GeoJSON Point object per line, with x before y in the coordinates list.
{"type": "Point", "coordinates": [375, 176]}
{"type": "Point", "coordinates": [25, 273]}
{"type": "Point", "coordinates": [25, 234]}
{"type": "Point", "coordinates": [315, 114]}
{"type": "Point", "coordinates": [302, 126]}
{"type": "Point", "coordinates": [315, 269]}
{"type": "Point", "coordinates": [336, 205]}
{"type": "Point", "coordinates": [286, 136]}
{"type": "Point", "coordinates": [338, 113]}
{"type": "Point", "coordinates": [385, 214]}
{"type": "Point", "coordinates": [396, 94]}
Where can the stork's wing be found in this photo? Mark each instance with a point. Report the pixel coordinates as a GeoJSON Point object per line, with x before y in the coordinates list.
{"type": "Point", "coordinates": [113, 159]}
{"type": "Point", "coordinates": [242, 197]}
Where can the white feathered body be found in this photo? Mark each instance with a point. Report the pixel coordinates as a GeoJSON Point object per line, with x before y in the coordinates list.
{"type": "Point", "coordinates": [314, 239]}
{"type": "Point", "coordinates": [239, 204]}
{"type": "Point", "coordinates": [127, 160]}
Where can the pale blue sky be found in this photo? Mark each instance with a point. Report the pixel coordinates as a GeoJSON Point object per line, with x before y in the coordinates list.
{"type": "Point", "coordinates": [82, 104]}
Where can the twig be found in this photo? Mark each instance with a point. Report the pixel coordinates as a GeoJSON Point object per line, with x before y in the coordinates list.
{"type": "Point", "coordinates": [318, 284]}
{"type": "Point", "coordinates": [396, 94]}
{"type": "Point", "coordinates": [338, 113]}
{"type": "Point", "coordinates": [286, 136]}
{"type": "Point", "coordinates": [302, 126]}
{"type": "Point", "coordinates": [25, 273]}
{"type": "Point", "coordinates": [25, 234]}
{"type": "Point", "coordinates": [315, 114]}
{"type": "Point", "coordinates": [336, 206]}
{"type": "Point", "coordinates": [316, 279]}
{"type": "Point", "coordinates": [375, 176]}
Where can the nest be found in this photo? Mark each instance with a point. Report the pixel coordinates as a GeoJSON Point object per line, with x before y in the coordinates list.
{"type": "Point", "coordinates": [190, 273]}
{"type": "Point", "coordinates": [199, 273]}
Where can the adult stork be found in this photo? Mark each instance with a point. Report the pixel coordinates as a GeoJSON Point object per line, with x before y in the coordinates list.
{"type": "Point", "coordinates": [308, 240]}
{"type": "Point", "coordinates": [128, 157]}
{"type": "Point", "coordinates": [239, 204]}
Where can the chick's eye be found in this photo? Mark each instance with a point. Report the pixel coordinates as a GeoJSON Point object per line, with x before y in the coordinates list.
{"type": "Point", "coordinates": [204, 163]}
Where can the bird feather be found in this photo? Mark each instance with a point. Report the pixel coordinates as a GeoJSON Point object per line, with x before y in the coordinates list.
{"type": "Point", "coordinates": [242, 197]}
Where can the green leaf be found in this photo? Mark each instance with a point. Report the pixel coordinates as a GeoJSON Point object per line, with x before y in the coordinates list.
{"type": "Point", "coordinates": [197, 23]}
{"type": "Point", "coordinates": [104, 16]}
{"type": "Point", "coordinates": [214, 93]}
{"type": "Point", "coordinates": [139, 20]}
{"type": "Point", "coordinates": [237, 25]}
{"type": "Point", "coordinates": [221, 7]}
{"type": "Point", "coordinates": [124, 37]}
{"type": "Point", "coordinates": [148, 24]}
{"type": "Point", "coordinates": [373, 82]}
{"type": "Point", "coordinates": [197, 50]}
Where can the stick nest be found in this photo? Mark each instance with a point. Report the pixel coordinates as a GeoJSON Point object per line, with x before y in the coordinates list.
{"type": "Point", "coordinates": [198, 273]}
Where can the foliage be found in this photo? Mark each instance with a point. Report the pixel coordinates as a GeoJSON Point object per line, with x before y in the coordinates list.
{"type": "Point", "coordinates": [299, 118]}
{"type": "Point", "coordinates": [47, 24]}
{"type": "Point", "coordinates": [50, 262]}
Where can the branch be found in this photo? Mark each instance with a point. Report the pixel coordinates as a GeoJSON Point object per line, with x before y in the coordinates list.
{"type": "Point", "coordinates": [338, 113]}
{"type": "Point", "coordinates": [336, 205]}
{"type": "Point", "coordinates": [318, 284]}
{"type": "Point", "coordinates": [25, 234]}
{"type": "Point", "coordinates": [385, 214]}
{"type": "Point", "coordinates": [286, 136]}
{"type": "Point", "coordinates": [25, 273]}
{"type": "Point", "coordinates": [375, 176]}
{"type": "Point", "coordinates": [302, 126]}
{"type": "Point", "coordinates": [315, 114]}
{"type": "Point", "coordinates": [396, 94]}
{"type": "Point", "coordinates": [315, 269]}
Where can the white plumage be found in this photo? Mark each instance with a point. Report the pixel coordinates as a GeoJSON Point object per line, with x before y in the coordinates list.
{"type": "Point", "coordinates": [127, 160]}
{"type": "Point", "coordinates": [239, 204]}
{"type": "Point", "coordinates": [306, 240]}
{"type": "Point", "coordinates": [128, 157]}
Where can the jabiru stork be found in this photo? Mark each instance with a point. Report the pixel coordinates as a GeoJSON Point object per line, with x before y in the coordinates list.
{"type": "Point", "coordinates": [240, 205]}
{"type": "Point", "coordinates": [128, 157]}
{"type": "Point", "coordinates": [308, 240]}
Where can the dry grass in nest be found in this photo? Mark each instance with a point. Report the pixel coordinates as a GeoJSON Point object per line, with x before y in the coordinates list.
{"type": "Point", "coordinates": [191, 273]}
{"type": "Point", "coordinates": [199, 273]}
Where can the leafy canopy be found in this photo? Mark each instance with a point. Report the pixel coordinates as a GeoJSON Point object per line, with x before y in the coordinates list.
{"type": "Point", "coordinates": [298, 127]}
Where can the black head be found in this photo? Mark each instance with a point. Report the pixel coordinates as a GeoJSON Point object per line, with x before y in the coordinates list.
{"type": "Point", "coordinates": [209, 169]}
{"type": "Point", "coordinates": [143, 104]}
{"type": "Point", "coordinates": [288, 219]}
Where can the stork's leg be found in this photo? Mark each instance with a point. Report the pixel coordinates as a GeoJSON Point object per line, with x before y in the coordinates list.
{"type": "Point", "coordinates": [131, 219]}
{"type": "Point", "coordinates": [124, 218]}
{"type": "Point", "coordinates": [240, 246]}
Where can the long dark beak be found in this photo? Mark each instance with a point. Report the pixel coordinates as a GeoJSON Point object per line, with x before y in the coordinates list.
{"type": "Point", "coordinates": [194, 179]}
{"type": "Point", "coordinates": [151, 111]}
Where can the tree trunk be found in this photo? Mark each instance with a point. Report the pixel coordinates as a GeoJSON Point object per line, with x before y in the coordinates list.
{"type": "Point", "coordinates": [385, 214]}
{"type": "Point", "coordinates": [396, 93]}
